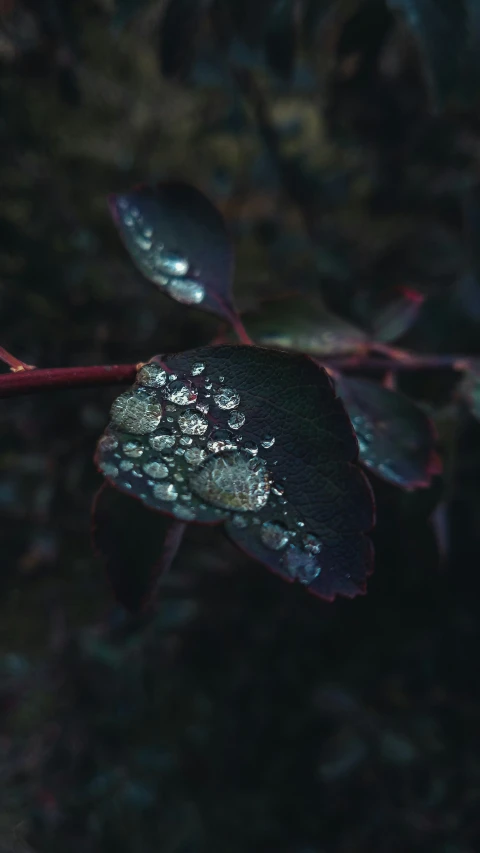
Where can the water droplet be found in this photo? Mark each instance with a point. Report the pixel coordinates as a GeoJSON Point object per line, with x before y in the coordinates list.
{"type": "Point", "coordinates": [186, 290]}
{"type": "Point", "coordinates": [125, 465]}
{"type": "Point", "coordinates": [195, 455]}
{"type": "Point", "coordinates": [181, 392]}
{"type": "Point", "coordinates": [108, 469]}
{"type": "Point", "coordinates": [107, 442]}
{"type": "Point", "coordinates": [274, 535]}
{"type": "Point", "coordinates": [311, 544]}
{"type": "Point", "coordinates": [208, 385]}
{"type": "Point", "coordinates": [192, 424]}
{"type": "Point", "coordinates": [137, 473]}
{"type": "Point", "coordinates": [136, 411]}
{"type": "Point", "coordinates": [170, 407]}
{"type": "Point", "coordinates": [183, 512]}
{"type": "Point", "coordinates": [186, 496]}
{"type": "Point", "coordinates": [239, 520]}
{"type": "Point", "coordinates": [186, 440]}
{"type": "Point", "coordinates": [277, 489]}
{"type": "Point", "coordinates": [198, 368]}
{"type": "Point", "coordinates": [236, 420]}
{"type": "Point", "coordinates": [172, 377]}
{"type": "Point", "coordinates": [152, 375]}
{"type": "Point", "coordinates": [157, 470]}
{"type": "Point", "coordinates": [203, 407]}
{"type": "Point", "coordinates": [230, 481]}
{"type": "Point", "coordinates": [300, 565]}
{"type": "Point", "coordinates": [268, 441]}
{"type": "Point", "coordinates": [251, 448]}
{"type": "Point", "coordinates": [227, 398]}
{"type": "Point", "coordinates": [126, 485]}
{"type": "Point", "coordinates": [165, 492]}
{"type": "Point", "coordinates": [221, 440]}
{"type": "Point", "coordinates": [179, 477]}
{"type": "Point", "coordinates": [172, 263]}
{"type": "Point", "coordinates": [162, 441]}
{"type": "Point", "coordinates": [221, 379]}
{"type": "Point", "coordinates": [133, 449]}
{"type": "Point", "coordinates": [179, 451]}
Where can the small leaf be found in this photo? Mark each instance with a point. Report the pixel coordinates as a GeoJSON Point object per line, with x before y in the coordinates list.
{"type": "Point", "coordinates": [256, 439]}
{"type": "Point", "coordinates": [178, 36]}
{"type": "Point", "coordinates": [395, 437]}
{"type": "Point", "coordinates": [440, 27]}
{"type": "Point", "coordinates": [178, 240]}
{"type": "Point", "coordinates": [128, 538]}
{"type": "Point", "coordinates": [280, 38]}
{"type": "Point", "coordinates": [398, 316]}
{"type": "Point", "coordinates": [303, 325]}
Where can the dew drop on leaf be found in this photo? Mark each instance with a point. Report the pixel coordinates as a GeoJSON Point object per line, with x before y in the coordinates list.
{"type": "Point", "coordinates": [181, 392]}
{"type": "Point", "coordinates": [172, 263]}
{"type": "Point", "coordinates": [186, 290]}
{"type": "Point", "coordinates": [311, 543]}
{"type": "Point", "coordinates": [183, 512]}
{"type": "Point", "coordinates": [152, 375]}
{"type": "Point", "coordinates": [268, 441]}
{"type": "Point", "coordinates": [165, 492]}
{"type": "Point", "coordinates": [133, 449]}
{"type": "Point", "coordinates": [236, 420]}
{"type": "Point", "coordinates": [162, 441]}
{"type": "Point", "coordinates": [192, 424]}
{"type": "Point", "coordinates": [195, 455]}
{"type": "Point", "coordinates": [198, 368]}
{"type": "Point", "coordinates": [232, 481]}
{"type": "Point", "coordinates": [125, 465]}
{"type": "Point", "coordinates": [157, 470]}
{"type": "Point", "coordinates": [300, 565]}
{"type": "Point", "coordinates": [251, 448]}
{"type": "Point", "coordinates": [227, 398]}
{"type": "Point", "coordinates": [274, 535]}
{"type": "Point", "coordinates": [108, 469]}
{"type": "Point", "coordinates": [136, 411]}
{"type": "Point", "coordinates": [221, 440]}
{"type": "Point", "coordinates": [239, 520]}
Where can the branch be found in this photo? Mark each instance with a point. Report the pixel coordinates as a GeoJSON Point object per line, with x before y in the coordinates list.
{"type": "Point", "coordinates": [49, 379]}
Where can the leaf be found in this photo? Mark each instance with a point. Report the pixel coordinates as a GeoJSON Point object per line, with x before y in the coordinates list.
{"type": "Point", "coordinates": [178, 240]}
{"type": "Point", "coordinates": [396, 439]}
{"type": "Point", "coordinates": [394, 320]}
{"type": "Point", "coordinates": [256, 439]}
{"type": "Point", "coordinates": [178, 35]}
{"type": "Point", "coordinates": [304, 325]}
{"type": "Point", "coordinates": [440, 26]}
{"type": "Point", "coordinates": [128, 538]}
{"type": "Point", "coordinates": [280, 38]}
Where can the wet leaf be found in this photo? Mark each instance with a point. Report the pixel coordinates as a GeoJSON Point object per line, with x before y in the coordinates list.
{"type": "Point", "coordinates": [396, 439]}
{"type": "Point", "coordinates": [303, 325]}
{"type": "Point", "coordinates": [128, 538]}
{"type": "Point", "coordinates": [256, 439]}
{"type": "Point", "coordinates": [178, 240]}
{"type": "Point", "coordinates": [178, 35]}
{"type": "Point", "coordinates": [280, 41]}
{"type": "Point", "coordinates": [440, 26]}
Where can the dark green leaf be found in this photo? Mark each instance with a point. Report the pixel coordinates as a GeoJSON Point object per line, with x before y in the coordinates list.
{"type": "Point", "coordinates": [274, 457]}
{"type": "Point", "coordinates": [441, 28]}
{"type": "Point", "coordinates": [280, 38]}
{"type": "Point", "coordinates": [178, 240]}
{"type": "Point", "coordinates": [178, 36]}
{"type": "Point", "coordinates": [396, 439]}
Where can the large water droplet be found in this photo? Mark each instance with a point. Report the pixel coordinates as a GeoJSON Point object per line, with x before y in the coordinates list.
{"type": "Point", "coordinates": [172, 263]}
{"type": "Point", "coordinates": [162, 442]}
{"type": "Point", "coordinates": [239, 520]}
{"type": "Point", "coordinates": [108, 469]}
{"type": "Point", "coordinates": [191, 423]}
{"type": "Point", "coordinates": [186, 290]}
{"type": "Point", "coordinates": [311, 543]}
{"type": "Point", "coordinates": [268, 441]}
{"type": "Point", "coordinates": [227, 398]}
{"type": "Point", "coordinates": [125, 465]}
{"type": "Point", "coordinates": [198, 368]}
{"type": "Point", "coordinates": [236, 420]}
{"type": "Point", "coordinates": [165, 492]}
{"type": "Point", "coordinates": [195, 455]}
{"type": "Point", "coordinates": [157, 470]}
{"type": "Point", "coordinates": [133, 449]}
{"type": "Point", "coordinates": [274, 535]}
{"type": "Point", "coordinates": [185, 513]}
{"type": "Point", "coordinates": [221, 440]}
{"type": "Point", "coordinates": [300, 565]}
{"type": "Point", "coordinates": [152, 375]}
{"type": "Point", "coordinates": [107, 442]}
{"type": "Point", "coordinates": [136, 411]}
{"type": "Point", "coordinates": [181, 392]}
{"type": "Point", "coordinates": [231, 481]}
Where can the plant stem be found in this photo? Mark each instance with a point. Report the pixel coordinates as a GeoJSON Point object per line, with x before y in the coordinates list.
{"type": "Point", "coordinates": [30, 381]}
{"type": "Point", "coordinates": [14, 363]}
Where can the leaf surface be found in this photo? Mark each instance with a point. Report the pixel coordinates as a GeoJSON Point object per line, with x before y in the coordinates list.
{"type": "Point", "coordinates": [255, 439]}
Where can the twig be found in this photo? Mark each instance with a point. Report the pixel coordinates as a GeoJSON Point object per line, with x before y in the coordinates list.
{"type": "Point", "coordinates": [14, 363]}
{"type": "Point", "coordinates": [49, 379]}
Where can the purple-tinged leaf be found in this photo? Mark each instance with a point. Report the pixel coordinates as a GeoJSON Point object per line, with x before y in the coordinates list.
{"type": "Point", "coordinates": [178, 240]}
{"type": "Point", "coordinates": [256, 439]}
{"type": "Point", "coordinates": [396, 439]}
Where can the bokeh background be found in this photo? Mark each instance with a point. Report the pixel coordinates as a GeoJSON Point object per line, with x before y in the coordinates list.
{"type": "Point", "coordinates": [253, 717]}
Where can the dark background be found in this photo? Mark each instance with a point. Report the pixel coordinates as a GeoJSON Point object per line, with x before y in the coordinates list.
{"type": "Point", "coordinates": [253, 717]}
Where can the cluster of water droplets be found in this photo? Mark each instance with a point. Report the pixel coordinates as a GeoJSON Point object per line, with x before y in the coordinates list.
{"type": "Point", "coordinates": [176, 441]}
{"type": "Point", "coordinates": [167, 268]}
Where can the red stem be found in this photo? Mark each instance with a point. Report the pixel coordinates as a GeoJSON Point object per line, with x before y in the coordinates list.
{"type": "Point", "coordinates": [14, 363]}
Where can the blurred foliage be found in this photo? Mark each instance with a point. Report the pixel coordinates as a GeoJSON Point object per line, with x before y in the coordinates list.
{"type": "Point", "coordinates": [345, 157]}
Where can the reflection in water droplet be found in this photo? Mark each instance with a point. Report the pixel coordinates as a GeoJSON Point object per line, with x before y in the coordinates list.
{"type": "Point", "coordinates": [165, 492]}
{"type": "Point", "coordinates": [251, 448]}
{"type": "Point", "coordinates": [163, 441]}
{"type": "Point", "coordinates": [198, 368]}
{"type": "Point", "coordinates": [192, 424]}
{"type": "Point", "coordinates": [239, 520]}
{"type": "Point", "coordinates": [152, 375]}
{"type": "Point", "coordinates": [186, 290]}
{"type": "Point", "coordinates": [125, 465]}
{"type": "Point", "coordinates": [236, 420]}
{"type": "Point", "coordinates": [157, 470]}
{"type": "Point", "coordinates": [136, 411]}
{"type": "Point", "coordinates": [107, 442]}
{"type": "Point", "coordinates": [277, 489]}
{"type": "Point", "coordinates": [227, 398]}
{"type": "Point", "coordinates": [133, 449]}
{"type": "Point", "coordinates": [300, 565]}
{"type": "Point", "coordinates": [268, 441]}
{"type": "Point", "coordinates": [203, 407]}
{"type": "Point", "coordinates": [137, 473]}
{"type": "Point", "coordinates": [274, 535]}
{"type": "Point", "coordinates": [181, 392]}
{"type": "Point", "coordinates": [221, 440]}
{"type": "Point", "coordinates": [171, 263]}
{"type": "Point", "coordinates": [186, 440]}
{"type": "Point", "coordinates": [311, 544]}
{"type": "Point", "coordinates": [108, 469]}
{"type": "Point", "coordinates": [231, 481]}
{"type": "Point", "coordinates": [195, 455]}
{"type": "Point", "coordinates": [179, 477]}
{"type": "Point", "coordinates": [183, 512]}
